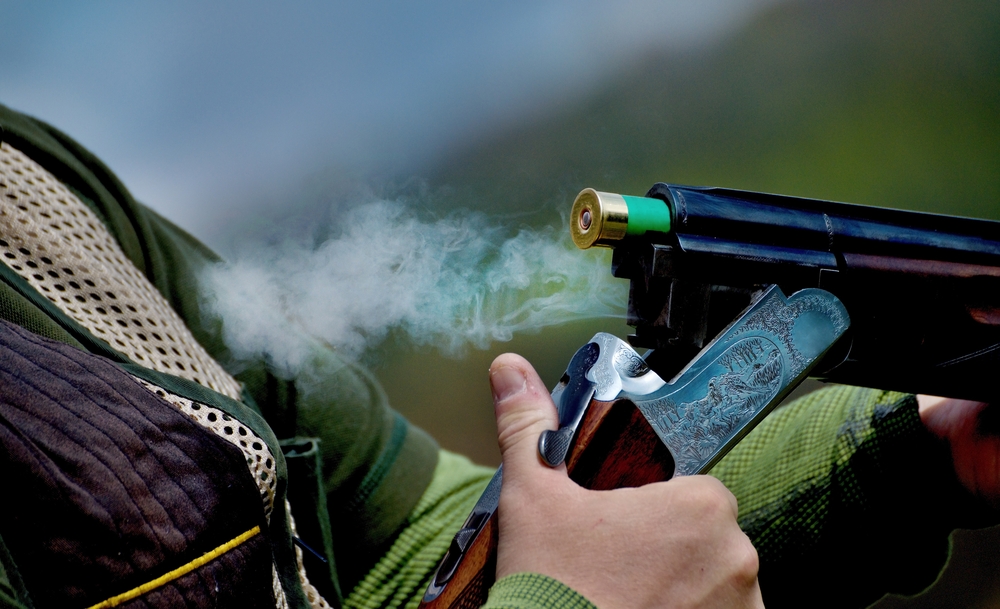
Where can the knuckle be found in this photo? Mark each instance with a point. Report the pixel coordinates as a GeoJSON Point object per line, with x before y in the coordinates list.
{"type": "Point", "coordinates": [719, 494]}
{"type": "Point", "coordinates": [712, 497]}
{"type": "Point", "coordinates": [747, 561]}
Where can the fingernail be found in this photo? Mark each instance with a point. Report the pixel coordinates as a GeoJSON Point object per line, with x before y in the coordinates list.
{"type": "Point", "coordinates": [507, 382]}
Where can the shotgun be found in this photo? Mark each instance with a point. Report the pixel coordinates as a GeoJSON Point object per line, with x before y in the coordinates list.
{"type": "Point", "coordinates": [876, 297]}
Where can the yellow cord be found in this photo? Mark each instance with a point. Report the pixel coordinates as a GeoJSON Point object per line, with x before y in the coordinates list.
{"type": "Point", "coordinates": [166, 578]}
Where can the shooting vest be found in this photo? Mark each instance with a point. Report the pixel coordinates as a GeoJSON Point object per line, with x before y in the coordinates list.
{"type": "Point", "coordinates": [143, 479]}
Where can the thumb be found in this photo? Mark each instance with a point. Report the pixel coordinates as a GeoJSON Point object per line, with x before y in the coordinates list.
{"type": "Point", "coordinates": [524, 410]}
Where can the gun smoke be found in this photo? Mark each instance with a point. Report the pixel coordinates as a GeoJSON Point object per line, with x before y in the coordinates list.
{"type": "Point", "coordinates": [457, 282]}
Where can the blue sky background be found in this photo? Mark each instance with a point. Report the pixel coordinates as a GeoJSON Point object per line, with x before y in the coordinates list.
{"type": "Point", "coordinates": [200, 107]}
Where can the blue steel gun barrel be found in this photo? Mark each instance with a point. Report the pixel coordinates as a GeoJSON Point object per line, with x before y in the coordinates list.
{"type": "Point", "coordinates": [923, 290]}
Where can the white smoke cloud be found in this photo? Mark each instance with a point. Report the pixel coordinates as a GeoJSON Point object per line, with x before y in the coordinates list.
{"type": "Point", "coordinates": [453, 283]}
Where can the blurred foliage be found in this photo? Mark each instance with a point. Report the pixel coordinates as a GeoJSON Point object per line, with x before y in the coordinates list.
{"type": "Point", "coordinates": [878, 102]}
{"type": "Point", "coordinates": [875, 102]}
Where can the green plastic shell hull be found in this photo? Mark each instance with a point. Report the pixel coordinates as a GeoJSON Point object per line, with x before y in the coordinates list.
{"type": "Point", "coordinates": [646, 215]}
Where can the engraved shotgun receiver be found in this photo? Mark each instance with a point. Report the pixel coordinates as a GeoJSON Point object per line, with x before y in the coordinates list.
{"type": "Point", "coordinates": [881, 298]}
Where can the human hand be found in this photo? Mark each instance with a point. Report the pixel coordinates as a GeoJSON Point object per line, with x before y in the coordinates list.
{"type": "Point", "coordinates": [669, 544]}
{"type": "Point", "coordinates": [972, 430]}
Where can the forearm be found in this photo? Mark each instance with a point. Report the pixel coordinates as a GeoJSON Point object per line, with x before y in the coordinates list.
{"type": "Point", "coordinates": [846, 478]}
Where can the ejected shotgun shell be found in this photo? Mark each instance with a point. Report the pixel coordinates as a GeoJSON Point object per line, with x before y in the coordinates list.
{"type": "Point", "coordinates": [605, 218]}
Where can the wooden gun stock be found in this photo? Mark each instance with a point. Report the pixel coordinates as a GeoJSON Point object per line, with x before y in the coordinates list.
{"type": "Point", "coordinates": [615, 447]}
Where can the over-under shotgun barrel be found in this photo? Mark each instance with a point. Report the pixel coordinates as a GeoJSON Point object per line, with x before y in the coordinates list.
{"type": "Point", "coordinates": [922, 290]}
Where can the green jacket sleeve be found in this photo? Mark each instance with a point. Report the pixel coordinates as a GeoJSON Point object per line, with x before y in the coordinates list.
{"type": "Point", "coordinates": [845, 492]}
{"type": "Point", "coordinates": [534, 591]}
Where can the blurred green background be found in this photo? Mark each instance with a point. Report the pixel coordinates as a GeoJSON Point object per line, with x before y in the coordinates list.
{"type": "Point", "coordinates": [221, 117]}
